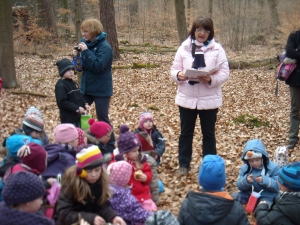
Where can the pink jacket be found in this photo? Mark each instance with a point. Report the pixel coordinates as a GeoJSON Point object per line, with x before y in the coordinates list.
{"type": "Point", "coordinates": [200, 96]}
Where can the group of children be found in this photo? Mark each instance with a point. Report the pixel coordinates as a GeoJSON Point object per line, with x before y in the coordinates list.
{"type": "Point", "coordinates": [97, 186]}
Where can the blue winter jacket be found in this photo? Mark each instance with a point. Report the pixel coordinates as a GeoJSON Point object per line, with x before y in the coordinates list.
{"type": "Point", "coordinates": [269, 185]}
{"type": "Point", "coordinates": [96, 78]}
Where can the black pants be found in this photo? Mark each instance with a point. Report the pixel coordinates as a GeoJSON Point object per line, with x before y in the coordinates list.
{"type": "Point", "coordinates": [187, 123]}
{"type": "Point", "coordinates": [102, 107]}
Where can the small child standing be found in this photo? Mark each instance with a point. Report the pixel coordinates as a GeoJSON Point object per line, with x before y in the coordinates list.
{"type": "Point", "coordinates": [23, 193]}
{"type": "Point", "coordinates": [99, 134]}
{"type": "Point", "coordinates": [122, 201]}
{"type": "Point", "coordinates": [157, 140]}
{"type": "Point", "coordinates": [69, 100]}
{"type": "Point", "coordinates": [211, 204]}
{"type": "Point", "coordinates": [287, 207]}
{"type": "Point", "coordinates": [130, 150]}
{"type": "Point", "coordinates": [61, 155]}
{"type": "Point", "coordinates": [257, 172]}
{"type": "Point", "coordinates": [85, 191]}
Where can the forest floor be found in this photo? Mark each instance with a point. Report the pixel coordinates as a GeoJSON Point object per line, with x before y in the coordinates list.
{"type": "Point", "coordinates": [248, 97]}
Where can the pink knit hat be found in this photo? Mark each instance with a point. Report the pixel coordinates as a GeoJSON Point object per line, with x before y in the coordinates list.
{"type": "Point", "coordinates": [119, 173]}
{"type": "Point", "coordinates": [100, 128]}
{"type": "Point", "coordinates": [65, 133]}
{"type": "Point", "coordinates": [81, 136]}
{"type": "Point", "coordinates": [143, 117]}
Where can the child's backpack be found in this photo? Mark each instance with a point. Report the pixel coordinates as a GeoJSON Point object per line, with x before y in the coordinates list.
{"type": "Point", "coordinates": [162, 217]}
{"type": "Point", "coordinates": [281, 156]}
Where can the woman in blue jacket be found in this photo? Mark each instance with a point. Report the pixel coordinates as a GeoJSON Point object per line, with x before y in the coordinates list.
{"type": "Point", "coordinates": [96, 82]}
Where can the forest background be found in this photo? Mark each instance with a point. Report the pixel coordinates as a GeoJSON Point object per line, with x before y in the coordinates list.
{"type": "Point", "coordinates": [253, 33]}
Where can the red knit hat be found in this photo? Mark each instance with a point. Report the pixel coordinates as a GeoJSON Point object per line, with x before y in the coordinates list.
{"type": "Point", "coordinates": [100, 128]}
{"type": "Point", "coordinates": [34, 156]}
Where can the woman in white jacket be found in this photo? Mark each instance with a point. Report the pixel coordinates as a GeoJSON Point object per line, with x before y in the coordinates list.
{"type": "Point", "coordinates": [199, 98]}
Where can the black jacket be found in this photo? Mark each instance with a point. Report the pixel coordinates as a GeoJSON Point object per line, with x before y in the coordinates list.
{"type": "Point", "coordinates": [293, 51]}
{"type": "Point", "coordinates": [68, 99]}
{"type": "Point", "coordinates": [284, 212]}
{"type": "Point", "coordinates": [201, 208]}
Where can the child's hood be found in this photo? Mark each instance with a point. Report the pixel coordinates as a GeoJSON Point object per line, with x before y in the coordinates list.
{"type": "Point", "coordinates": [255, 145]}
{"type": "Point", "coordinates": [54, 151]}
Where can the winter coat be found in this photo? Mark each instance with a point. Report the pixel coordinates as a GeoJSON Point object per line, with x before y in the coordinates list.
{"type": "Point", "coordinates": [93, 140]}
{"type": "Point", "coordinates": [96, 78]}
{"type": "Point", "coordinates": [292, 50]}
{"type": "Point", "coordinates": [127, 206]}
{"type": "Point", "coordinates": [9, 216]}
{"type": "Point", "coordinates": [284, 212]}
{"type": "Point", "coordinates": [67, 209]}
{"type": "Point", "coordinates": [154, 190]}
{"type": "Point", "coordinates": [158, 141]}
{"type": "Point", "coordinates": [269, 185]}
{"type": "Point", "coordinates": [216, 208]}
{"type": "Point", "coordinates": [59, 159]}
{"type": "Point", "coordinates": [201, 95]}
{"type": "Point", "coordinates": [68, 100]}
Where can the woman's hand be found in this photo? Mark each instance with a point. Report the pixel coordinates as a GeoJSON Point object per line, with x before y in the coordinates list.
{"type": "Point", "coordinates": [99, 221]}
{"type": "Point", "coordinates": [205, 79]}
{"type": "Point", "coordinates": [87, 107]}
{"type": "Point", "coordinates": [82, 46]}
{"type": "Point", "coordinates": [83, 222]}
{"type": "Point", "coordinates": [118, 221]}
{"type": "Point", "coordinates": [181, 77]}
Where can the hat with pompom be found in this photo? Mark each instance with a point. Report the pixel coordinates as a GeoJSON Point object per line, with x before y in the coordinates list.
{"type": "Point", "coordinates": [252, 155]}
{"type": "Point", "coordinates": [289, 176]}
{"type": "Point", "coordinates": [88, 158]}
{"type": "Point", "coordinates": [33, 110]}
{"type": "Point", "coordinates": [100, 128]}
{"type": "Point", "coordinates": [119, 173]}
{"type": "Point", "coordinates": [143, 117]}
{"type": "Point", "coordinates": [34, 122]}
{"type": "Point", "coordinates": [127, 141]}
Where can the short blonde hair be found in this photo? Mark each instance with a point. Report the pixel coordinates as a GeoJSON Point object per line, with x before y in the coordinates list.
{"type": "Point", "coordinates": [93, 26]}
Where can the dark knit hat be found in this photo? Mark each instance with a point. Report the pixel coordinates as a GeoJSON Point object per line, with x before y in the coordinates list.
{"type": "Point", "coordinates": [22, 187]}
{"type": "Point", "coordinates": [127, 141]}
{"type": "Point", "coordinates": [34, 156]}
{"type": "Point", "coordinates": [64, 65]}
{"type": "Point", "coordinates": [212, 176]}
{"type": "Point", "coordinates": [99, 129]}
{"type": "Point", "coordinates": [289, 176]}
{"type": "Point", "coordinates": [34, 122]}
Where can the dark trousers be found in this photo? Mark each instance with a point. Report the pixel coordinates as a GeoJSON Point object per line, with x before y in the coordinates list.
{"type": "Point", "coordinates": [102, 108]}
{"type": "Point", "coordinates": [187, 124]}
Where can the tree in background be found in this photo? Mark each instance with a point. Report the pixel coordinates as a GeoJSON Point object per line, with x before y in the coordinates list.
{"type": "Point", "coordinates": [181, 21]}
{"type": "Point", "coordinates": [7, 62]}
{"type": "Point", "coordinates": [107, 18]}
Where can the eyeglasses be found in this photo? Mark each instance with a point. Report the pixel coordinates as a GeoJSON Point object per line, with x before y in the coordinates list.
{"type": "Point", "coordinates": [84, 31]}
{"type": "Point", "coordinates": [203, 31]}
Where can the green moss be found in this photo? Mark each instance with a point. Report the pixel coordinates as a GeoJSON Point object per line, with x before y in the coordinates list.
{"type": "Point", "coordinates": [155, 108]}
{"type": "Point", "coordinates": [251, 121]}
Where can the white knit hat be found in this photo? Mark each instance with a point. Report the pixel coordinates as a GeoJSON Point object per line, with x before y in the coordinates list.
{"type": "Point", "coordinates": [252, 155]}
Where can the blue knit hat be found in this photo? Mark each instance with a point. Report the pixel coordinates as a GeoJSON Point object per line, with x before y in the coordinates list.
{"type": "Point", "coordinates": [289, 176]}
{"type": "Point", "coordinates": [212, 176]}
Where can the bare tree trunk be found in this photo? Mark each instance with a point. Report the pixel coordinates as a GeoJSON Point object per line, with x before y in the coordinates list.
{"type": "Point", "coordinates": [107, 18]}
{"type": "Point", "coordinates": [7, 61]}
{"type": "Point", "coordinates": [78, 21]}
{"type": "Point", "coordinates": [273, 9]}
{"type": "Point", "coordinates": [210, 8]}
{"type": "Point", "coordinates": [181, 20]}
{"type": "Point", "coordinates": [50, 19]}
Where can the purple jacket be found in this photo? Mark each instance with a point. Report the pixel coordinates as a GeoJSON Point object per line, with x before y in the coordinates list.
{"type": "Point", "coordinates": [127, 206]}
{"type": "Point", "coordinates": [200, 96]}
{"type": "Point", "coordinates": [10, 216]}
{"type": "Point", "coordinates": [59, 159]}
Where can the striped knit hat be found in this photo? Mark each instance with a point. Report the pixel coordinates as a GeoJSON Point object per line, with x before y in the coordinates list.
{"type": "Point", "coordinates": [88, 158]}
{"type": "Point", "coordinates": [34, 122]}
{"type": "Point", "coordinates": [289, 176]}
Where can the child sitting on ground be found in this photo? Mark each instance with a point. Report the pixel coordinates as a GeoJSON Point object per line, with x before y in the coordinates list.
{"type": "Point", "coordinates": [122, 201]}
{"type": "Point", "coordinates": [211, 204]}
{"type": "Point", "coordinates": [286, 209]}
{"type": "Point", "coordinates": [157, 140]}
{"type": "Point", "coordinates": [70, 101]}
{"type": "Point", "coordinates": [99, 134]}
{"type": "Point", "coordinates": [257, 172]}
{"type": "Point", "coordinates": [61, 155]}
{"type": "Point", "coordinates": [85, 191]}
{"type": "Point", "coordinates": [148, 150]}
{"type": "Point", "coordinates": [130, 150]}
{"type": "Point", "coordinates": [23, 193]}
